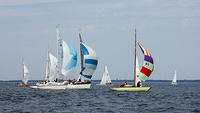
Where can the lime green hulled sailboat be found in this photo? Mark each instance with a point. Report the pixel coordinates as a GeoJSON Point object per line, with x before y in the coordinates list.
{"type": "Point", "coordinates": [142, 75]}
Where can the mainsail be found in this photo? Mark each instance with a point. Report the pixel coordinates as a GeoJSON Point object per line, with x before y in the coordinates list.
{"type": "Point", "coordinates": [69, 58]}
{"type": "Point", "coordinates": [137, 70]}
{"type": "Point", "coordinates": [148, 65]}
{"type": "Point", "coordinates": [53, 67]}
{"type": "Point", "coordinates": [106, 78]}
{"type": "Point", "coordinates": [89, 61]}
{"type": "Point", "coordinates": [26, 75]}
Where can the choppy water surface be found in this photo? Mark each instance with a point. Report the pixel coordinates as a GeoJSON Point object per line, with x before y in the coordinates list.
{"type": "Point", "coordinates": [185, 97]}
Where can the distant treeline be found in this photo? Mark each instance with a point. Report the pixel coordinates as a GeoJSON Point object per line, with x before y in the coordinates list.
{"type": "Point", "coordinates": [112, 80]}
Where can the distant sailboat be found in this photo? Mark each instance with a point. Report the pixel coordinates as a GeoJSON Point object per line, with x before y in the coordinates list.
{"type": "Point", "coordinates": [144, 73]}
{"type": "Point", "coordinates": [25, 75]}
{"type": "Point", "coordinates": [106, 78]}
{"type": "Point", "coordinates": [88, 61]}
{"type": "Point", "coordinates": [174, 79]}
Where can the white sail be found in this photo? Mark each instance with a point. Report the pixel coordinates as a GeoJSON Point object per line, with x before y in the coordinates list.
{"type": "Point", "coordinates": [106, 78]}
{"type": "Point", "coordinates": [53, 68]}
{"type": "Point", "coordinates": [26, 75]}
{"type": "Point", "coordinates": [69, 59]}
{"type": "Point", "coordinates": [174, 79]}
{"type": "Point", "coordinates": [137, 70]}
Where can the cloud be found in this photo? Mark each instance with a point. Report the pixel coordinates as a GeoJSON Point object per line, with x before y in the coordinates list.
{"type": "Point", "coordinates": [25, 2]}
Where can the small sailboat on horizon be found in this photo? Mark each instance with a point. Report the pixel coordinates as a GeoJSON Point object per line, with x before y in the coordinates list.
{"type": "Point", "coordinates": [25, 75]}
{"type": "Point", "coordinates": [142, 75]}
{"type": "Point", "coordinates": [174, 81]}
{"type": "Point", "coordinates": [106, 78]}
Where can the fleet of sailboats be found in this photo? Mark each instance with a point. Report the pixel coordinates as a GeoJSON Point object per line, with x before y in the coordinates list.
{"type": "Point", "coordinates": [144, 73]}
{"type": "Point", "coordinates": [62, 66]}
{"type": "Point", "coordinates": [174, 79]}
{"type": "Point", "coordinates": [65, 63]}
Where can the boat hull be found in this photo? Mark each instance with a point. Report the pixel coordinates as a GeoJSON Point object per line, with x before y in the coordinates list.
{"type": "Point", "coordinates": [131, 89]}
{"type": "Point", "coordinates": [21, 85]}
{"type": "Point", "coordinates": [56, 87]}
{"type": "Point", "coordinates": [78, 86]}
{"type": "Point", "coordinates": [50, 85]}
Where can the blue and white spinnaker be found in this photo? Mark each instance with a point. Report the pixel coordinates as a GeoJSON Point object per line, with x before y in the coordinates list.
{"type": "Point", "coordinates": [90, 61]}
{"type": "Point", "coordinates": [69, 58]}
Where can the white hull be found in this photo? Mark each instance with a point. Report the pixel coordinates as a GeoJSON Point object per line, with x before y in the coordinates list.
{"type": "Point", "coordinates": [78, 86]}
{"type": "Point", "coordinates": [50, 86]}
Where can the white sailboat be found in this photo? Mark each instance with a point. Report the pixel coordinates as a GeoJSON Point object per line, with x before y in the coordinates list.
{"type": "Point", "coordinates": [106, 78]}
{"type": "Point", "coordinates": [174, 79]}
{"type": "Point", "coordinates": [59, 68]}
{"type": "Point", "coordinates": [88, 61]}
{"type": "Point", "coordinates": [25, 75]}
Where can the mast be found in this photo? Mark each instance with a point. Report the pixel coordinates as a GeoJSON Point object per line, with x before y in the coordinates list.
{"type": "Point", "coordinates": [59, 45]}
{"type": "Point", "coordinates": [134, 82]}
{"type": "Point", "coordinates": [81, 54]}
{"type": "Point", "coordinates": [47, 68]}
{"type": "Point", "coordinates": [81, 51]}
{"type": "Point", "coordinates": [22, 71]}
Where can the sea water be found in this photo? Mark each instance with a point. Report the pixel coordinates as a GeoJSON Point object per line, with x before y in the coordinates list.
{"type": "Point", "coordinates": [163, 97]}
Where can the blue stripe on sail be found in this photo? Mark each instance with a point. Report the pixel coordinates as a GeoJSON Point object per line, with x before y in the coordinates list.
{"type": "Point", "coordinates": [91, 66]}
{"type": "Point", "coordinates": [84, 49]}
{"type": "Point", "coordinates": [87, 76]}
{"type": "Point", "coordinates": [91, 61]}
{"type": "Point", "coordinates": [72, 63]}
{"type": "Point", "coordinates": [72, 50]}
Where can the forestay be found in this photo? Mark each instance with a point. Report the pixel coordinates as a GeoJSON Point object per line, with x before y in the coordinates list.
{"type": "Point", "coordinates": [69, 58]}
{"type": "Point", "coordinates": [148, 65]}
{"type": "Point", "coordinates": [90, 61]}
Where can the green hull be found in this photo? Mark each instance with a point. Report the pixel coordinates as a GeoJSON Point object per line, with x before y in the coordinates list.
{"type": "Point", "coordinates": [131, 89]}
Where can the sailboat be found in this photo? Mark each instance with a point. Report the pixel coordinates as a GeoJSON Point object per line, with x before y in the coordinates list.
{"type": "Point", "coordinates": [143, 75]}
{"type": "Point", "coordinates": [57, 69]}
{"type": "Point", "coordinates": [88, 64]}
{"type": "Point", "coordinates": [106, 78]}
{"type": "Point", "coordinates": [174, 79]}
{"type": "Point", "coordinates": [25, 75]}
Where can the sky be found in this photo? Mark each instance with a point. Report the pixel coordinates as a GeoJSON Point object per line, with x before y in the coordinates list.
{"type": "Point", "coordinates": [169, 29]}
